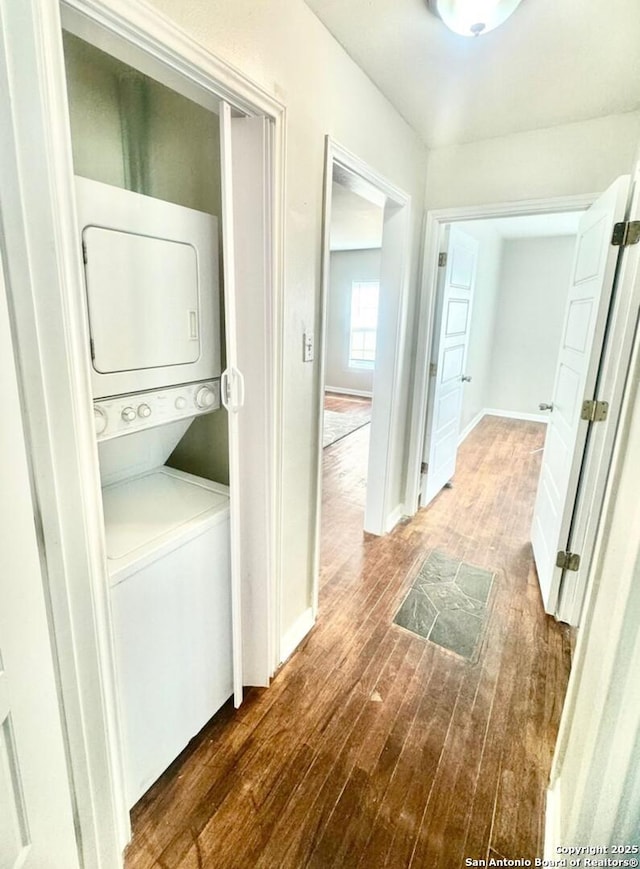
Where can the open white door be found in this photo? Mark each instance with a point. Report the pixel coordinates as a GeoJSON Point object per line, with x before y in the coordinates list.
{"type": "Point", "coordinates": [449, 357]}
{"type": "Point", "coordinates": [36, 820]}
{"type": "Point", "coordinates": [583, 333]}
{"type": "Point", "coordinates": [247, 388]}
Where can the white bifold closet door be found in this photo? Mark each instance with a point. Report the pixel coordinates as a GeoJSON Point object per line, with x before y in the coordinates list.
{"type": "Point", "coordinates": [36, 817]}
{"type": "Point", "coordinates": [247, 387]}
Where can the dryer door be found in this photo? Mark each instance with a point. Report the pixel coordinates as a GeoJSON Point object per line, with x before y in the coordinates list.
{"type": "Point", "coordinates": [151, 275]}
{"type": "Point", "coordinates": [143, 300]}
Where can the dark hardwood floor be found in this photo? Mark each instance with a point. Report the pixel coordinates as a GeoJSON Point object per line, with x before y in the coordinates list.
{"type": "Point", "coordinates": [375, 748]}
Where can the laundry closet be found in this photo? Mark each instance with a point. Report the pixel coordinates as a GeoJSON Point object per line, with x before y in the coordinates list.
{"type": "Point", "coordinates": [148, 166]}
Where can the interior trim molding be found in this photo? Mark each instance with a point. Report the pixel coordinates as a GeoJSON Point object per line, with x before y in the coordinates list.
{"type": "Point", "coordinates": [552, 823]}
{"type": "Point", "coordinates": [516, 414]}
{"type": "Point", "coordinates": [296, 633]}
{"type": "Point", "coordinates": [341, 390]}
{"type": "Point", "coordinates": [466, 431]}
{"type": "Point", "coordinates": [394, 517]}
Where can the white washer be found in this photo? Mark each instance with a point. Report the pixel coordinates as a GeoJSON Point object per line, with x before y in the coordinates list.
{"type": "Point", "coordinates": [167, 536]}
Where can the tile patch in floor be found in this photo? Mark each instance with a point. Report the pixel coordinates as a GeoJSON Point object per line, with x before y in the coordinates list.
{"type": "Point", "coordinates": [447, 603]}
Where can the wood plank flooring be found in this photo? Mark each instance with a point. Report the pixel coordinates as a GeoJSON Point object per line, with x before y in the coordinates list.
{"type": "Point", "coordinates": [373, 747]}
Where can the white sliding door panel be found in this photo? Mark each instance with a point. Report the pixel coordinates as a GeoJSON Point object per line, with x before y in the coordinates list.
{"type": "Point", "coordinates": [36, 821]}
{"type": "Point", "coordinates": [449, 355]}
{"type": "Point", "coordinates": [576, 373]}
{"type": "Point", "coordinates": [249, 393]}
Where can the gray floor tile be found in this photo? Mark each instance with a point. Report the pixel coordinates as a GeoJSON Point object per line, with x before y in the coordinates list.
{"type": "Point", "coordinates": [416, 614]}
{"type": "Point", "coordinates": [448, 603]}
{"type": "Point", "coordinates": [474, 581]}
{"type": "Point", "coordinates": [458, 631]}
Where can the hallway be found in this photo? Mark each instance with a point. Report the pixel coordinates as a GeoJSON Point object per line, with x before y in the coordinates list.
{"type": "Point", "coordinates": [374, 747]}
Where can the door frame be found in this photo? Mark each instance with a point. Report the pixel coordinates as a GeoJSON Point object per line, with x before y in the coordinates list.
{"type": "Point", "coordinates": [435, 221]}
{"type": "Point", "coordinates": [38, 203]}
{"type": "Point", "coordinates": [615, 362]}
{"type": "Point", "coordinates": [386, 426]}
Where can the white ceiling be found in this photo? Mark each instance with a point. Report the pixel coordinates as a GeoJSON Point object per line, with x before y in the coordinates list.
{"type": "Point", "coordinates": [356, 223]}
{"type": "Point", "coordinates": [552, 62]}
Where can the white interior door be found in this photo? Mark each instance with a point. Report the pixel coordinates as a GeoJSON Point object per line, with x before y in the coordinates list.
{"type": "Point", "coordinates": [576, 373]}
{"type": "Point", "coordinates": [449, 357]}
{"type": "Point", "coordinates": [247, 388]}
{"type": "Point", "coordinates": [36, 821]}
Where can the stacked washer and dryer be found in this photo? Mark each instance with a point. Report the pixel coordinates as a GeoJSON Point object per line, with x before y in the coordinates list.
{"type": "Point", "coordinates": [151, 276]}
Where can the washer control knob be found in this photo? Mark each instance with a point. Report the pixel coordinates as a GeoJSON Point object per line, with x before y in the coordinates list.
{"type": "Point", "coordinates": [99, 420]}
{"type": "Point", "coordinates": [128, 414]}
{"type": "Point", "coordinates": [181, 402]}
{"type": "Point", "coordinates": [144, 411]}
{"type": "Point", "coordinates": [205, 397]}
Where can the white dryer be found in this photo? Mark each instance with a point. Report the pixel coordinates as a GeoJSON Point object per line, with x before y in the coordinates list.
{"type": "Point", "coordinates": [151, 278]}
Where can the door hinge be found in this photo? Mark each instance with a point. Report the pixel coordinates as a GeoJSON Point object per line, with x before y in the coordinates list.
{"type": "Point", "coordinates": [85, 259]}
{"type": "Point", "coordinates": [594, 411]}
{"type": "Point", "coordinates": [424, 467]}
{"type": "Point", "coordinates": [92, 349]}
{"type": "Point", "coordinates": [567, 560]}
{"type": "Point", "coordinates": [433, 369]}
{"type": "Point", "coordinates": [442, 259]}
{"type": "Point", "coordinates": [625, 233]}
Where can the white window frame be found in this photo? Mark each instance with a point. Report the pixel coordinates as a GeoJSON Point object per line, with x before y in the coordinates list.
{"type": "Point", "coordinates": [354, 363]}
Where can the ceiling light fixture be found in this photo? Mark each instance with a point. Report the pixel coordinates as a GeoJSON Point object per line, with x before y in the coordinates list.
{"type": "Point", "coordinates": [473, 17]}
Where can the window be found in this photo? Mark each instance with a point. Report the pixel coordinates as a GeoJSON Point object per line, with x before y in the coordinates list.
{"type": "Point", "coordinates": [364, 322]}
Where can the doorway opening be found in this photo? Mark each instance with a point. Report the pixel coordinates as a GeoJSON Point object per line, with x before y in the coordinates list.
{"type": "Point", "coordinates": [363, 300]}
{"type": "Point", "coordinates": [349, 359]}
{"type": "Point", "coordinates": [551, 303]}
{"type": "Point", "coordinates": [502, 291]}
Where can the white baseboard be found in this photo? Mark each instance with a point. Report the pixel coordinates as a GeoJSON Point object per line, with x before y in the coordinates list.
{"type": "Point", "coordinates": [466, 431]}
{"type": "Point", "coordinates": [342, 391]}
{"type": "Point", "coordinates": [296, 634]}
{"type": "Point", "coordinates": [552, 823]}
{"type": "Point", "coordinates": [394, 517]}
{"type": "Point", "coordinates": [514, 414]}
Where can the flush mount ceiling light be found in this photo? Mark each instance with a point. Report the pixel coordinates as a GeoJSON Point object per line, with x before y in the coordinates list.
{"type": "Point", "coordinates": [473, 17]}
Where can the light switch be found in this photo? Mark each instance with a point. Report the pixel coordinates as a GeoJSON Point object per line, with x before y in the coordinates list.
{"type": "Point", "coordinates": [307, 346]}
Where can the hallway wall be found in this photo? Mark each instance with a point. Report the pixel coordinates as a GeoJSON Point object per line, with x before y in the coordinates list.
{"type": "Point", "coordinates": [532, 293]}
{"type": "Point", "coordinates": [565, 160]}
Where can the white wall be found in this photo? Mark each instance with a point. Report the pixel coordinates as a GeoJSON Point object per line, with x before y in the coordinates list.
{"type": "Point", "coordinates": [282, 46]}
{"type": "Point", "coordinates": [568, 159]}
{"type": "Point", "coordinates": [516, 321]}
{"type": "Point", "coordinates": [534, 281]}
{"type": "Point", "coordinates": [184, 169]}
{"type": "Point", "coordinates": [345, 267]}
{"type": "Point", "coordinates": [483, 315]}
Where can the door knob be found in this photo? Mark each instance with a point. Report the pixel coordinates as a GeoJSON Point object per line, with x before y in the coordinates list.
{"type": "Point", "coordinates": [466, 378]}
{"type": "Point", "coordinates": [544, 406]}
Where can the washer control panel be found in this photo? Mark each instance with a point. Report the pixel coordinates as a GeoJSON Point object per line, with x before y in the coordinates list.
{"type": "Point", "coordinates": [128, 413]}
